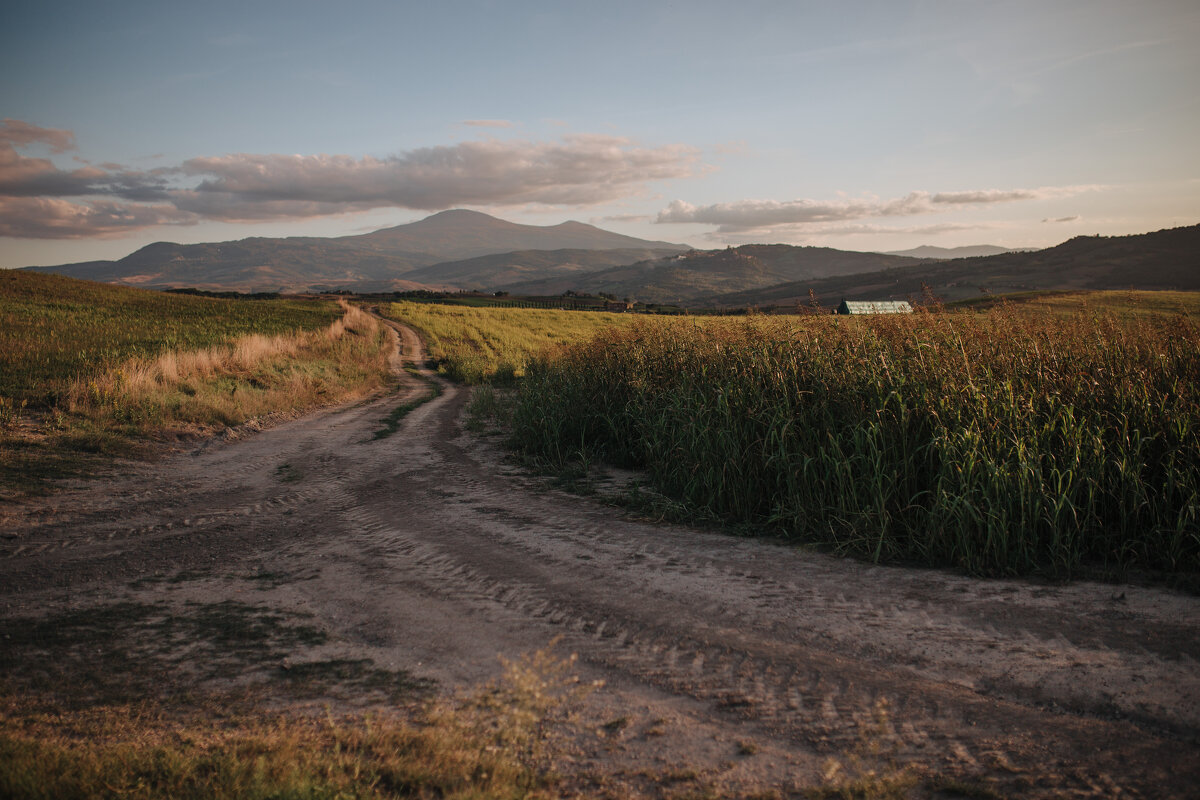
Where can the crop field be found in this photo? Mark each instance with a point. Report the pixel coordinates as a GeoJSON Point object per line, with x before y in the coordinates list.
{"type": "Point", "coordinates": [477, 344]}
{"type": "Point", "coordinates": [1123, 304]}
{"type": "Point", "coordinates": [1012, 442]}
{"type": "Point", "coordinates": [89, 371]}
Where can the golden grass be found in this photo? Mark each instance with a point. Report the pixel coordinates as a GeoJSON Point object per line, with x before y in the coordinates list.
{"type": "Point", "coordinates": [116, 410]}
{"type": "Point", "coordinates": [477, 344]}
{"type": "Point", "coordinates": [492, 744]}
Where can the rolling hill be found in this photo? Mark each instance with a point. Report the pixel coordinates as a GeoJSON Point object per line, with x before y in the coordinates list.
{"type": "Point", "coordinates": [693, 276]}
{"type": "Point", "coordinates": [1166, 259]}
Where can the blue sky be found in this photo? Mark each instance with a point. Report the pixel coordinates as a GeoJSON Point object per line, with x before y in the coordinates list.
{"type": "Point", "coordinates": [858, 125]}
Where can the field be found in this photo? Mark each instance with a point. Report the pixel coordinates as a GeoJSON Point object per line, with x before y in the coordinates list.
{"type": "Point", "coordinates": [89, 370]}
{"type": "Point", "coordinates": [477, 344]}
{"type": "Point", "coordinates": [1011, 442]}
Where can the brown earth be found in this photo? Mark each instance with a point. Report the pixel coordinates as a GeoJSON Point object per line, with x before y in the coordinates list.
{"type": "Point", "coordinates": [740, 665]}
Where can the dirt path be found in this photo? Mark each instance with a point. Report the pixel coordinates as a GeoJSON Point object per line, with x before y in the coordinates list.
{"type": "Point", "coordinates": [745, 663]}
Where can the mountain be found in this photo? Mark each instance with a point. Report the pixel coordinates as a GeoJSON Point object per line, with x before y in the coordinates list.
{"type": "Point", "coordinates": [460, 234]}
{"type": "Point", "coordinates": [970, 251]}
{"type": "Point", "coordinates": [1166, 259]}
{"type": "Point", "coordinates": [377, 261]}
{"type": "Point", "coordinates": [690, 277]}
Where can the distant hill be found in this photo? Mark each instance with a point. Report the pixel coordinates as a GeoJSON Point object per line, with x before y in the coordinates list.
{"type": "Point", "coordinates": [506, 270]}
{"type": "Point", "coordinates": [377, 261]}
{"type": "Point", "coordinates": [970, 251]}
{"type": "Point", "coordinates": [1166, 259]}
{"type": "Point", "coordinates": [459, 234]}
{"type": "Point", "coordinates": [692, 276]}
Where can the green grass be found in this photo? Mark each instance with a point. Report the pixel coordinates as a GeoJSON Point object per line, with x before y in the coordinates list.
{"type": "Point", "coordinates": [1012, 442]}
{"type": "Point", "coordinates": [55, 329]}
{"type": "Point", "coordinates": [1125, 304]}
{"type": "Point", "coordinates": [473, 345]}
{"type": "Point", "coordinates": [89, 372]}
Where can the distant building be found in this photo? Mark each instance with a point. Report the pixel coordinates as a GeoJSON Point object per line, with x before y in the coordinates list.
{"type": "Point", "coordinates": [874, 307]}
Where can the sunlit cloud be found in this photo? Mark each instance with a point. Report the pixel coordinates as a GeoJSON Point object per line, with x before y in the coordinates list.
{"type": "Point", "coordinates": [18, 133]}
{"type": "Point", "coordinates": [803, 232]}
{"type": "Point", "coordinates": [624, 218]}
{"type": "Point", "coordinates": [579, 170]}
{"type": "Point", "coordinates": [576, 170]}
{"type": "Point", "coordinates": [56, 218]}
{"type": "Point", "coordinates": [747, 215]}
{"type": "Point", "coordinates": [489, 123]}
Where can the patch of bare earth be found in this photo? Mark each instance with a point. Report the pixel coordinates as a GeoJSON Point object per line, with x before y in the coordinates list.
{"type": "Point", "coordinates": [734, 666]}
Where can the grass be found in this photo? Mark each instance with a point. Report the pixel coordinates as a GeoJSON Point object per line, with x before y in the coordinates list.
{"type": "Point", "coordinates": [391, 423]}
{"type": "Point", "coordinates": [54, 329]}
{"type": "Point", "coordinates": [1011, 442]}
{"type": "Point", "coordinates": [474, 345]}
{"type": "Point", "coordinates": [1125, 304]}
{"type": "Point", "coordinates": [90, 372]}
{"type": "Point", "coordinates": [492, 744]}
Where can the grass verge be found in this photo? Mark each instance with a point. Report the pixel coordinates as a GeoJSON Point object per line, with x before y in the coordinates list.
{"type": "Point", "coordinates": [121, 410]}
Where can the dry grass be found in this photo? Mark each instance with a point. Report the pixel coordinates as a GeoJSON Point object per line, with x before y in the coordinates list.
{"type": "Point", "coordinates": [117, 410]}
{"type": "Point", "coordinates": [493, 744]}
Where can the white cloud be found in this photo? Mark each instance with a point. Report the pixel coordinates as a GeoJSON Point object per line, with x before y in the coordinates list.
{"type": "Point", "coordinates": [746, 215]}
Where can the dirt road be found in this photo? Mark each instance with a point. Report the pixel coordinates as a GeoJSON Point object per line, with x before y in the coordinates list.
{"type": "Point", "coordinates": [745, 662]}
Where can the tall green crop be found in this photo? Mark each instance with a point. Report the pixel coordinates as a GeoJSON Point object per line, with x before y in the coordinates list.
{"type": "Point", "coordinates": [1005, 443]}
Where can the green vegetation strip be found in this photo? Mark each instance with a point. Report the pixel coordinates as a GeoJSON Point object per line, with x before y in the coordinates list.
{"type": "Point", "coordinates": [1004, 443]}
{"type": "Point", "coordinates": [477, 345]}
{"type": "Point", "coordinates": [391, 423]}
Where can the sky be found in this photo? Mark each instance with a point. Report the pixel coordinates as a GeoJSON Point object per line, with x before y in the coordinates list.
{"type": "Point", "coordinates": [856, 125]}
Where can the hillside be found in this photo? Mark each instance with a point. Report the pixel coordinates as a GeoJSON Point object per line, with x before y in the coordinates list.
{"type": "Point", "coordinates": [690, 277]}
{"type": "Point", "coordinates": [377, 261]}
{"type": "Point", "coordinates": [1166, 259]}
{"type": "Point", "coordinates": [505, 270]}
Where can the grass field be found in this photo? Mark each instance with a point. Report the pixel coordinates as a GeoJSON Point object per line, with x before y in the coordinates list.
{"type": "Point", "coordinates": [54, 329]}
{"type": "Point", "coordinates": [477, 344]}
{"type": "Point", "coordinates": [1021, 440]}
{"type": "Point", "coordinates": [88, 371]}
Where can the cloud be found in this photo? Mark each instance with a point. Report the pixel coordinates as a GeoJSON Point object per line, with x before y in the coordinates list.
{"type": "Point", "coordinates": [747, 215]}
{"type": "Point", "coordinates": [55, 218]}
{"type": "Point", "coordinates": [1072, 218]}
{"type": "Point", "coordinates": [576, 170]}
{"type": "Point", "coordinates": [489, 123]}
{"type": "Point", "coordinates": [16, 132]}
{"type": "Point", "coordinates": [804, 232]}
{"type": "Point", "coordinates": [624, 218]}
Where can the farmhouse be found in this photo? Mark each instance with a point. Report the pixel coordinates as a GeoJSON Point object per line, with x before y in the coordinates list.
{"type": "Point", "coordinates": [874, 307]}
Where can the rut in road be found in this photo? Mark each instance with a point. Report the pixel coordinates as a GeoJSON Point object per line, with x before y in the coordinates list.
{"type": "Point", "coordinates": [427, 548]}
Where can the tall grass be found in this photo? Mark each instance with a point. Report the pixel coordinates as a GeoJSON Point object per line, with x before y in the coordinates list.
{"type": "Point", "coordinates": [1003, 443]}
{"type": "Point", "coordinates": [473, 345]}
{"type": "Point", "coordinates": [231, 383]}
